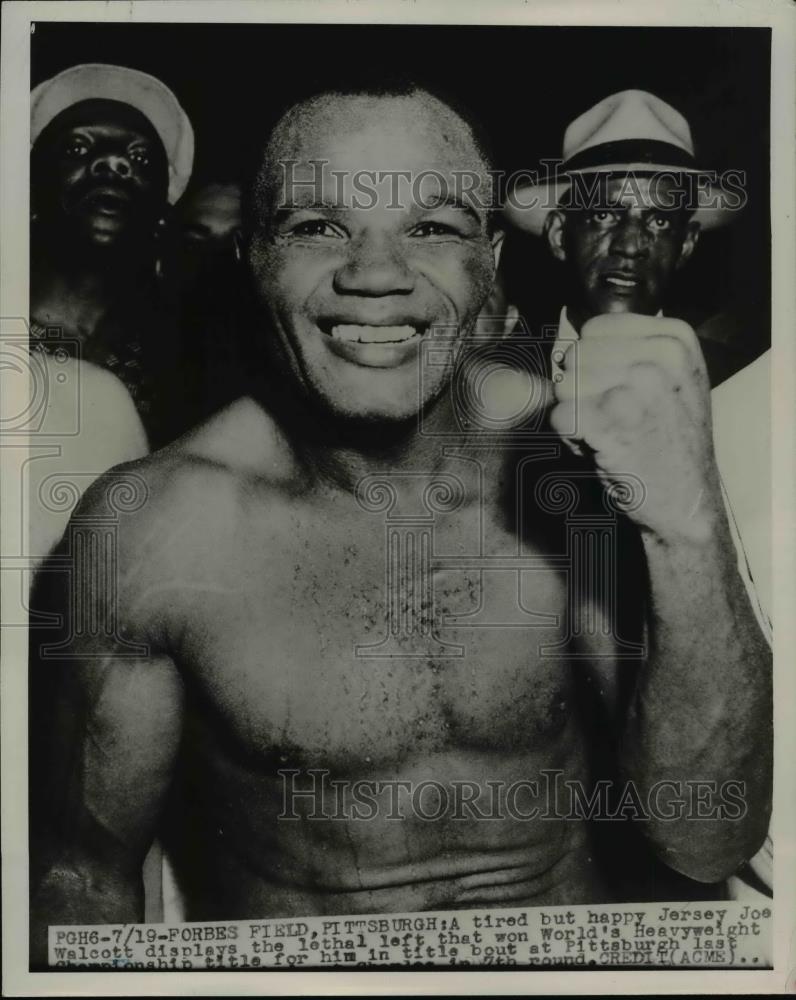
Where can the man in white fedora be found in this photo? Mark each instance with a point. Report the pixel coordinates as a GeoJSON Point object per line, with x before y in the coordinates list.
{"type": "Point", "coordinates": [624, 213]}
{"type": "Point", "coordinates": [625, 210]}
{"type": "Point", "coordinates": [111, 148]}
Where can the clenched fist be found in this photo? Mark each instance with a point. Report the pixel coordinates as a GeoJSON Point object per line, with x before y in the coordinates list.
{"type": "Point", "coordinates": [635, 391]}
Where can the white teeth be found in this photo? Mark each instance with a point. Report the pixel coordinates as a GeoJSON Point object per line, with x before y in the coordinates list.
{"type": "Point", "coordinates": [622, 282]}
{"type": "Point", "coordinates": [373, 334]}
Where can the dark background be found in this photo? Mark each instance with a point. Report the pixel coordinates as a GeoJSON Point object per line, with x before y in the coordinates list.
{"type": "Point", "coordinates": [525, 83]}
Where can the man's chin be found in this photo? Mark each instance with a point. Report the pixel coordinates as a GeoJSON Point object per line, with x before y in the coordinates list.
{"type": "Point", "coordinates": [370, 386]}
{"type": "Point", "coordinates": [109, 231]}
{"type": "Point", "coordinates": [116, 230]}
{"type": "Point", "coordinates": [367, 414]}
{"type": "Point", "coordinates": [609, 303]}
{"type": "Point", "coordinates": [347, 413]}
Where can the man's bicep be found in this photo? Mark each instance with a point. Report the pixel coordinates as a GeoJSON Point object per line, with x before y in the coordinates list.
{"type": "Point", "coordinates": [128, 744]}
{"type": "Point", "coordinates": [105, 698]}
{"type": "Point", "coordinates": [113, 732]}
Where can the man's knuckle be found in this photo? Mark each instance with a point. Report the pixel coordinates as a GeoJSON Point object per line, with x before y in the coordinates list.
{"type": "Point", "coordinates": [649, 376]}
{"type": "Point", "coordinates": [674, 350]}
{"type": "Point", "coordinates": [617, 395]}
{"type": "Point", "coordinates": [626, 325]}
{"type": "Point", "coordinates": [623, 404]}
{"type": "Point", "coordinates": [679, 331]}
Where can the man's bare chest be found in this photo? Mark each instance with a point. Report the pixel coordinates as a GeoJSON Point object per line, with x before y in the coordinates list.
{"type": "Point", "coordinates": [371, 643]}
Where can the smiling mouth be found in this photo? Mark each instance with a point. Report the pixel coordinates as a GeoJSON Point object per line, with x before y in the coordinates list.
{"type": "Point", "coordinates": [361, 333]}
{"type": "Point", "coordinates": [621, 280]}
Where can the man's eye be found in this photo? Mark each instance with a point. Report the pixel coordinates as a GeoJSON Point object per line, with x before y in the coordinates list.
{"type": "Point", "coordinates": [602, 217]}
{"type": "Point", "coordinates": [140, 156]}
{"type": "Point", "coordinates": [434, 229]}
{"type": "Point", "coordinates": [660, 223]}
{"type": "Point", "coordinates": [76, 148]}
{"type": "Point", "coordinates": [316, 228]}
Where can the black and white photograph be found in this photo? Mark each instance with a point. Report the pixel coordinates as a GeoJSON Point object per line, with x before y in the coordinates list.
{"type": "Point", "coordinates": [398, 444]}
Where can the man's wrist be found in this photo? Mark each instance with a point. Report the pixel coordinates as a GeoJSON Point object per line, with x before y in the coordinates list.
{"type": "Point", "coordinates": [704, 537]}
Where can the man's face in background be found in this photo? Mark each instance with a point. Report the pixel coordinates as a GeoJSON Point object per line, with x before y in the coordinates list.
{"type": "Point", "coordinates": [202, 231]}
{"type": "Point", "coordinates": [622, 253]}
{"type": "Point", "coordinates": [208, 217]}
{"type": "Point", "coordinates": [99, 176]}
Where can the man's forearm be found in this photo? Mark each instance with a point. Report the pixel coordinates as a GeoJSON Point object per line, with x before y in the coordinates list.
{"type": "Point", "coordinates": [702, 707]}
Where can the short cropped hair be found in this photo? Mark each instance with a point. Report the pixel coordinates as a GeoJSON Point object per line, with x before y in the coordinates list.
{"type": "Point", "coordinates": [386, 86]}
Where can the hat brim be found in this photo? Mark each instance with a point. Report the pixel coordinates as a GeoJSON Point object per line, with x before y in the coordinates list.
{"type": "Point", "coordinates": [528, 205]}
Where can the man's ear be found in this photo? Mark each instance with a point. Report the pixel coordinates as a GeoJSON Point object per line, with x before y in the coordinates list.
{"type": "Point", "coordinates": [497, 245]}
{"type": "Point", "coordinates": [553, 232]}
{"type": "Point", "coordinates": [690, 241]}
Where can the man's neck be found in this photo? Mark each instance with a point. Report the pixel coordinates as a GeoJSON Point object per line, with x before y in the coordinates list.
{"type": "Point", "coordinates": [343, 454]}
{"type": "Point", "coordinates": [576, 316]}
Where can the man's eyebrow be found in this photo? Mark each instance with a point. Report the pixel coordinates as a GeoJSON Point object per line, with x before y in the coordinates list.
{"type": "Point", "coordinates": [427, 203]}
{"type": "Point", "coordinates": [647, 208]}
{"type": "Point", "coordinates": [447, 200]}
{"type": "Point", "coordinates": [90, 129]}
{"type": "Point", "coordinates": [285, 209]}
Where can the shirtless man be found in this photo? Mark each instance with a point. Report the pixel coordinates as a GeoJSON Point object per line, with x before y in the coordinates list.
{"type": "Point", "coordinates": [254, 575]}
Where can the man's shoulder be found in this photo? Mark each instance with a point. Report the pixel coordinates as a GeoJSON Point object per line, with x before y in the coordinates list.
{"type": "Point", "coordinates": [199, 479]}
{"type": "Point", "coordinates": [243, 440]}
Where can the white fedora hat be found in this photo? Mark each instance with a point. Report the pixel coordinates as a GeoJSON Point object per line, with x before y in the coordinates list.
{"type": "Point", "coordinates": [146, 93]}
{"type": "Point", "coordinates": [632, 132]}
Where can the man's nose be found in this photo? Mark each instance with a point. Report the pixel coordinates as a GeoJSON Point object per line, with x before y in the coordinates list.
{"type": "Point", "coordinates": [374, 266]}
{"type": "Point", "coordinates": [111, 164]}
{"type": "Point", "coordinates": [631, 238]}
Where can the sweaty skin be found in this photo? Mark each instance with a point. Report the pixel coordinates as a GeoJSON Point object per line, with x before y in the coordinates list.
{"type": "Point", "coordinates": [257, 571]}
{"type": "Point", "coordinates": [251, 604]}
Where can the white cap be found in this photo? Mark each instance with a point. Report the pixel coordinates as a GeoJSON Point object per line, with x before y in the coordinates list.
{"type": "Point", "coordinates": [90, 81]}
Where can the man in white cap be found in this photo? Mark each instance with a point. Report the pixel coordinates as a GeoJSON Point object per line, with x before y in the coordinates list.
{"type": "Point", "coordinates": [624, 213]}
{"type": "Point", "coordinates": [324, 595]}
{"type": "Point", "coordinates": [110, 148]}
